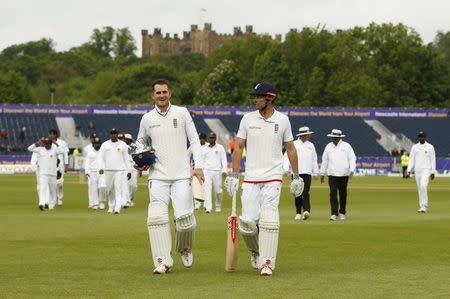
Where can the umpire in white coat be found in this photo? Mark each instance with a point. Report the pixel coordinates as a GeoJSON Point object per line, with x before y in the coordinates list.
{"type": "Point", "coordinates": [422, 161]}
{"type": "Point", "coordinates": [338, 163]}
{"type": "Point", "coordinates": [307, 167]}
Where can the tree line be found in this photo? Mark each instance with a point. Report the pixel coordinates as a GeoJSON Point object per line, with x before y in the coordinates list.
{"type": "Point", "coordinates": [381, 65]}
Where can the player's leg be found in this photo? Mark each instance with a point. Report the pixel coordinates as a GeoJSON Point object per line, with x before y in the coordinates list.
{"type": "Point", "coordinates": [217, 187]}
{"type": "Point", "coordinates": [102, 194]}
{"type": "Point", "coordinates": [159, 227]}
{"type": "Point", "coordinates": [185, 224]}
{"type": "Point", "coordinates": [125, 191]}
{"type": "Point", "coordinates": [52, 193]}
{"type": "Point", "coordinates": [424, 179]}
{"type": "Point", "coordinates": [59, 187]}
{"type": "Point", "coordinates": [118, 190]}
{"type": "Point", "coordinates": [133, 186]}
{"type": "Point", "coordinates": [332, 183]}
{"type": "Point", "coordinates": [251, 204]}
{"type": "Point", "coordinates": [94, 197]}
{"type": "Point", "coordinates": [92, 188]}
{"type": "Point", "coordinates": [342, 187]}
{"type": "Point", "coordinates": [109, 190]}
{"type": "Point", "coordinates": [269, 226]}
{"type": "Point", "coordinates": [305, 196]}
{"type": "Point", "coordinates": [208, 186]}
{"type": "Point", "coordinates": [43, 191]}
{"type": "Point", "coordinates": [37, 186]}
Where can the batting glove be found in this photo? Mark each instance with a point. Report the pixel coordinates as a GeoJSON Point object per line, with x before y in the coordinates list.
{"type": "Point", "coordinates": [297, 185]}
{"type": "Point", "coordinates": [232, 183]}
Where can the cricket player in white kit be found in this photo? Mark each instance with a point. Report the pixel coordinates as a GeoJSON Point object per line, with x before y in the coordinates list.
{"type": "Point", "coordinates": [167, 129]}
{"type": "Point", "coordinates": [91, 169]}
{"type": "Point", "coordinates": [422, 161]}
{"type": "Point", "coordinates": [214, 166]}
{"type": "Point", "coordinates": [63, 164]}
{"type": "Point", "coordinates": [263, 132]}
{"type": "Point", "coordinates": [47, 153]}
{"type": "Point", "coordinates": [132, 183]}
{"type": "Point", "coordinates": [114, 164]}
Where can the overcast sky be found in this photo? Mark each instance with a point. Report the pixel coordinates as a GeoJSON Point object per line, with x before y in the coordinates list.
{"type": "Point", "coordinates": [70, 23]}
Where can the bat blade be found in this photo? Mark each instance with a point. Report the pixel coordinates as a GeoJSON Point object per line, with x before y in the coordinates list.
{"type": "Point", "coordinates": [232, 244]}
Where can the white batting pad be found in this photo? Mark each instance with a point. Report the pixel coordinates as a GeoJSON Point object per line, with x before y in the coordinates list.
{"type": "Point", "coordinates": [185, 232]}
{"type": "Point", "coordinates": [249, 232]}
{"type": "Point", "coordinates": [159, 233]}
{"type": "Point", "coordinates": [269, 226]}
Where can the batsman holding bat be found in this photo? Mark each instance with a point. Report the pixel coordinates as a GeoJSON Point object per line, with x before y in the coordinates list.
{"type": "Point", "coordinates": [263, 132]}
{"type": "Point", "coordinates": [167, 128]}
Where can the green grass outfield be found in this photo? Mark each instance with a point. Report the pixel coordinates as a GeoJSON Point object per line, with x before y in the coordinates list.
{"type": "Point", "coordinates": [385, 249]}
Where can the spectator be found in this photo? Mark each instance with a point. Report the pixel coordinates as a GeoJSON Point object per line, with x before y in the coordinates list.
{"type": "Point", "coordinates": [4, 135]}
{"type": "Point", "coordinates": [22, 134]}
{"type": "Point", "coordinates": [91, 127]}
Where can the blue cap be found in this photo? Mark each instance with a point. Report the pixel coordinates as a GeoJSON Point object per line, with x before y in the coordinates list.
{"type": "Point", "coordinates": [147, 158]}
{"type": "Point", "coordinates": [263, 88]}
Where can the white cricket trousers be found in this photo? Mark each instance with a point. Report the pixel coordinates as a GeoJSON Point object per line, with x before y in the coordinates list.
{"type": "Point", "coordinates": [133, 183]}
{"type": "Point", "coordinates": [213, 178]}
{"type": "Point", "coordinates": [114, 185]}
{"type": "Point", "coordinates": [422, 180]}
{"type": "Point", "coordinates": [47, 190]}
{"type": "Point", "coordinates": [254, 196]}
{"type": "Point", "coordinates": [93, 189]}
{"type": "Point", "coordinates": [180, 191]}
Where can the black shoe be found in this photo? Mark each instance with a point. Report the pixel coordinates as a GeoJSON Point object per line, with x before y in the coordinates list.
{"type": "Point", "coordinates": [116, 213]}
{"type": "Point", "coordinates": [41, 207]}
{"type": "Point", "coordinates": [46, 206]}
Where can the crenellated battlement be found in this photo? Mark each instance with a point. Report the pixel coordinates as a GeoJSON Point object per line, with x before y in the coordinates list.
{"type": "Point", "coordinates": [194, 41]}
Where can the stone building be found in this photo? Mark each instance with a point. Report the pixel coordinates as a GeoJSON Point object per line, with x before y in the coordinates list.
{"type": "Point", "coordinates": [195, 41]}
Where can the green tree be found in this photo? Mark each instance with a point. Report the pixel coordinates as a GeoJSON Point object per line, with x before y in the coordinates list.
{"type": "Point", "coordinates": [14, 88]}
{"type": "Point", "coordinates": [124, 44]}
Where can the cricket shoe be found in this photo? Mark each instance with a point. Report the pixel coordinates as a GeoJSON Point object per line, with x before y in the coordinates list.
{"type": "Point", "coordinates": [422, 210]}
{"type": "Point", "coordinates": [161, 268]}
{"type": "Point", "coordinates": [46, 206]}
{"type": "Point", "coordinates": [342, 216]}
{"type": "Point", "coordinates": [60, 202]}
{"type": "Point", "coordinates": [333, 218]}
{"type": "Point", "coordinates": [305, 215]}
{"type": "Point", "coordinates": [41, 207]}
{"type": "Point", "coordinates": [218, 210]}
{"type": "Point", "coordinates": [254, 258]}
{"type": "Point", "coordinates": [266, 269]}
{"type": "Point", "coordinates": [101, 206]}
{"type": "Point", "coordinates": [298, 217]}
{"type": "Point", "coordinates": [187, 258]}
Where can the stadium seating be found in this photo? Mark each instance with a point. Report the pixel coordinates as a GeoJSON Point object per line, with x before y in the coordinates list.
{"type": "Point", "coordinates": [103, 123]}
{"type": "Point", "coordinates": [37, 125]}
{"type": "Point", "coordinates": [437, 130]}
{"type": "Point", "coordinates": [358, 133]}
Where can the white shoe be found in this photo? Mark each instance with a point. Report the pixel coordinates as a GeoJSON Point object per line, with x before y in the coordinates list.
{"type": "Point", "coordinates": [341, 216]}
{"type": "Point", "coordinates": [254, 257]}
{"type": "Point", "coordinates": [305, 215]}
{"type": "Point", "coordinates": [298, 217]}
{"type": "Point", "coordinates": [131, 204]}
{"type": "Point", "coordinates": [333, 218]}
{"type": "Point", "coordinates": [161, 268]}
{"type": "Point", "coordinates": [187, 258]}
{"type": "Point", "coordinates": [110, 211]}
{"type": "Point", "coordinates": [59, 202]}
{"type": "Point", "coordinates": [266, 269]}
{"type": "Point", "coordinates": [95, 207]}
{"type": "Point", "coordinates": [101, 206]}
{"type": "Point", "coordinates": [422, 210]}
{"type": "Point", "coordinates": [218, 210]}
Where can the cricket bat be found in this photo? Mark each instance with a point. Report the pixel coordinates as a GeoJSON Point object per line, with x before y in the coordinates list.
{"type": "Point", "coordinates": [197, 189]}
{"type": "Point", "coordinates": [232, 239]}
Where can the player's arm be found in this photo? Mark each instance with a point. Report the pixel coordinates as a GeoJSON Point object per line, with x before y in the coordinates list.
{"type": "Point", "coordinates": [286, 164]}
{"type": "Point", "coordinates": [291, 153]}
{"type": "Point", "coordinates": [352, 160]}
{"type": "Point", "coordinates": [315, 169]}
{"type": "Point", "coordinates": [324, 165]}
{"type": "Point", "coordinates": [223, 156]}
{"type": "Point", "coordinates": [412, 158]}
{"type": "Point", "coordinates": [192, 135]}
{"type": "Point", "coordinates": [433, 162]}
{"type": "Point", "coordinates": [101, 159]}
{"type": "Point", "coordinates": [237, 155]}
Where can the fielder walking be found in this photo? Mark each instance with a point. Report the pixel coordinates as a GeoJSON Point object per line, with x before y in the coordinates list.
{"type": "Point", "coordinates": [47, 153]}
{"type": "Point", "coordinates": [339, 164]}
{"type": "Point", "coordinates": [263, 132]}
{"type": "Point", "coordinates": [167, 129]}
{"type": "Point", "coordinates": [422, 162]}
{"type": "Point", "coordinates": [307, 167]}
{"type": "Point", "coordinates": [91, 168]}
{"type": "Point", "coordinates": [63, 163]}
{"type": "Point", "coordinates": [215, 166]}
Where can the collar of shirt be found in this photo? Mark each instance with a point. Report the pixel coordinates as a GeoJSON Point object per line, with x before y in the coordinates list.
{"type": "Point", "coordinates": [163, 113]}
{"type": "Point", "coordinates": [269, 120]}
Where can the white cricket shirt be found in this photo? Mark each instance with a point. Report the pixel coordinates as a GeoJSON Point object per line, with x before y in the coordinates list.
{"type": "Point", "coordinates": [307, 158]}
{"type": "Point", "coordinates": [91, 161]}
{"type": "Point", "coordinates": [264, 144]}
{"type": "Point", "coordinates": [113, 156]}
{"type": "Point", "coordinates": [422, 157]}
{"type": "Point", "coordinates": [168, 134]}
{"type": "Point", "coordinates": [46, 158]}
{"type": "Point", "coordinates": [215, 158]}
{"type": "Point", "coordinates": [63, 157]}
{"type": "Point", "coordinates": [338, 160]}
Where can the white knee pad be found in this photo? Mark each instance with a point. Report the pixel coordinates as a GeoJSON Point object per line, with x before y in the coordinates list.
{"type": "Point", "coordinates": [159, 233]}
{"type": "Point", "coordinates": [249, 232]}
{"type": "Point", "coordinates": [269, 226]}
{"type": "Point", "coordinates": [185, 232]}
